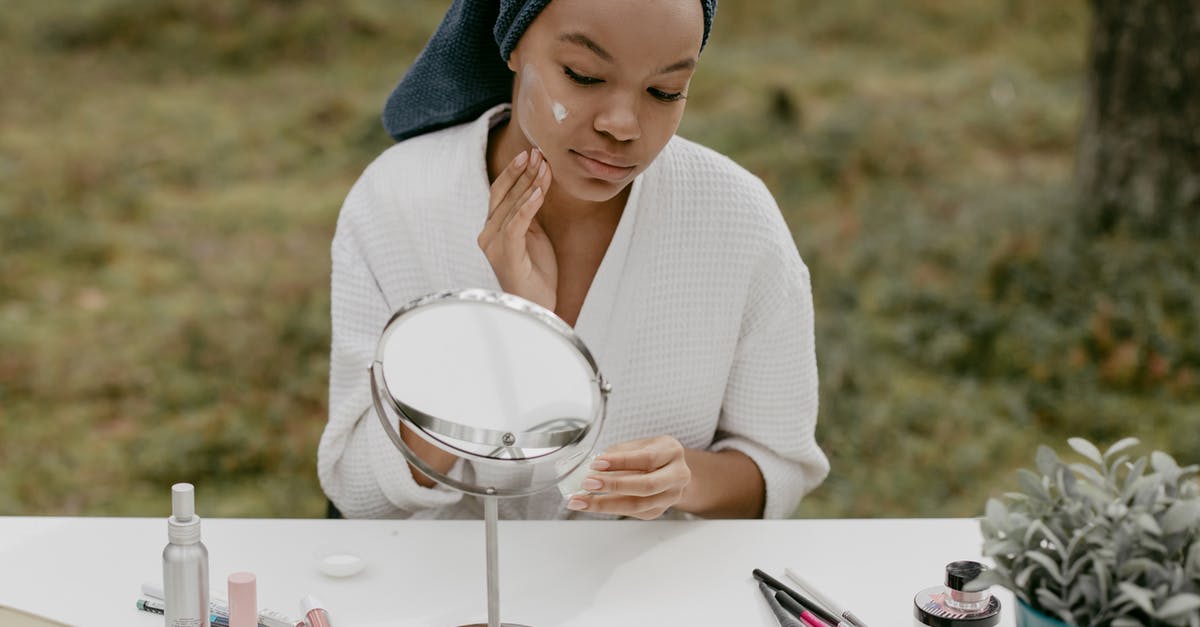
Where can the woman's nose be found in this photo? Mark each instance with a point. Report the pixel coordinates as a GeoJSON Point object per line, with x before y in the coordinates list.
{"type": "Point", "coordinates": [619, 119]}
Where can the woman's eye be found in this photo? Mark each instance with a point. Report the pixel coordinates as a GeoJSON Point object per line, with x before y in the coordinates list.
{"type": "Point", "coordinates": [666, 96]}
{"type": "Point", "coordinates": [579, 78]}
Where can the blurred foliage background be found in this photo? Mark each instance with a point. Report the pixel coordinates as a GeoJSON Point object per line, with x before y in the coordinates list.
{"type": "Point", "coordinates": [171, 172]}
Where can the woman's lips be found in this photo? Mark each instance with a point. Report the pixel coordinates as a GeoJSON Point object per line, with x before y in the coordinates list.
{"type": "Point", "coordinates": [602, 169]}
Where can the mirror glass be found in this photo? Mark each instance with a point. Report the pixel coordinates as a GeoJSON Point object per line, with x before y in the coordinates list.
{"type": "Point", "coordinates": [498, 381]}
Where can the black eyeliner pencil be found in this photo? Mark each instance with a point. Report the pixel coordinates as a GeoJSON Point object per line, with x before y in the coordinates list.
{"type": "Point", "coordinates": [785, 619]}
{"type": "Point", "coordinates": [808, 604]}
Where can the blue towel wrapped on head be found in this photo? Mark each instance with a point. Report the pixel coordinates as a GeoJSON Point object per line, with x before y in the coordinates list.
{"type": "Point", "coordinates": [463, 69]}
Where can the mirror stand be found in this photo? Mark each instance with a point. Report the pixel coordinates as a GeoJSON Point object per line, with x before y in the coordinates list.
{"type": "Point", "coordinates": [447, 361]}
{"type": "Point", "coordinates": [490, 515]}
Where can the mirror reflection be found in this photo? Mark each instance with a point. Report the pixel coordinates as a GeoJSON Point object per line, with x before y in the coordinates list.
{"type": "Point", "coordinates": [493, 380]}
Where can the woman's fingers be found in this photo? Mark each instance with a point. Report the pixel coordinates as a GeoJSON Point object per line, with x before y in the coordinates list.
{"type": "Point", "coordinates": [515, 192]}
{"type": "Point", "coordinates": [644, 507]}
{"type": "Point", "coordinates": [519, 252]}
{"type": "Point", "coordinates": [636, 484]}
{"type": "Point", "coordinates": [509, 177]}
{"type": "Point", "coordinates": [640, 478]}
{"type": "Point", "coordinates": [524, 210]}
{"type": "Point", "coordinates": [645, 455]}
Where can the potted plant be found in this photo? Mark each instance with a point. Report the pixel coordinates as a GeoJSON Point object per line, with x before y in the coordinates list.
{"type": "Point", "coordinates": [1111, 541]}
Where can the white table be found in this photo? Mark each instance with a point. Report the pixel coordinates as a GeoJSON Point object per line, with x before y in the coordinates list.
{"type": "Point", "coordinates": [88, 571]}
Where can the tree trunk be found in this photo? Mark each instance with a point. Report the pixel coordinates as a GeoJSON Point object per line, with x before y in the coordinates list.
{"type": "Point", "coordinates": [1139, 148]}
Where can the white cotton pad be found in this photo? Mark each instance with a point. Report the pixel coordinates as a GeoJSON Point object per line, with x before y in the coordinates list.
{"type": "Point", "coordinates": [338, 562]}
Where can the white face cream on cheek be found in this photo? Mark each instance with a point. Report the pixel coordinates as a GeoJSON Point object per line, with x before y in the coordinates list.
{"type": "Point", "coordinates": [534, 102]}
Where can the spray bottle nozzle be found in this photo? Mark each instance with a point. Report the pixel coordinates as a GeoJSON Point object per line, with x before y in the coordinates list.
{"type": "Point", "coordinates": [183, 502]}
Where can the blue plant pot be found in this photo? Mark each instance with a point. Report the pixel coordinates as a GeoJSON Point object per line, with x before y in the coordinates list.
{"type": "Point", "coordinates": [1029, 617]}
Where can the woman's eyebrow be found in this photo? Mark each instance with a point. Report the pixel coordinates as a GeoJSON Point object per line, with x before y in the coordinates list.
{"type": "Point", "coordinates": [583, 40]}
{"type": "Point", "coordinates": [580, 39]}
{"type": "Point", "coordinates": [685, 64]}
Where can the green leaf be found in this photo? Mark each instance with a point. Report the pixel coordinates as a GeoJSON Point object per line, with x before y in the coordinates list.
{"type": "Point", "coordinates": [1131, 479]}
{"type": "Point", "coordinates": [1134, 568]}
{"type": "Point", "coordinates": [1072, 573]}
{"type": "Point", "coordinates": [1090, 473]}
{"type": "Point", "coordinates": [1119, 446]}
{"type": "Point", "coordinates": [1116, 464]}
{"type": "Point", "coordinates": [1066, 482]}
{"type": "Point", "coordinates": [1022, 578]}
{"type": "Point", "coordinates": [1192, 565]}
{"type": "Point", "coordinates": [1096, 494]}
{"type": "Point", "coordinates": [1125, 621]}
{"type": "Point", "coordinates": [1032, 485]}
{"type": "Point", "coordinates": [1047, 563]}
{"type": "Point", "coordinates": [1165, 465]}
{"type": "Point", "coordinates": [1039, 526]}
{"type": "Point", "coordinates": [1148, 524]}
{"type": "Point", "coordinates": [1065, 615]}
{"type": "Point", "coordinates": [1076, 548]}
{"type": "Point", "coordinates": [1155, 546]}
{"type": "Point", "coordinates": [1139, 595]}
{"type": "Point", "coordinates": [1147, 491]}
{"type": "Point", "coordinates": [1181, 516]}
{"type": "Point", "coordinates": [1050, 601]}
{"type": "Point", "coordinates": [997, 515]}
{"type": "Point", "coordinates": [993, 547]}
{"type": "Point", "coordinates": [1087, 449]}
{"type": "Point", "coordinates": [1102, 576]}
{"type": "Point", "coordinates": [1047, 460]}
{"type": "Point", "coordinates": [1179, 605]}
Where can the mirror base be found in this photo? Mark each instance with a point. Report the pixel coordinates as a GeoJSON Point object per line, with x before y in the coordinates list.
{"type": "Point", "coordinates": [501, 625]}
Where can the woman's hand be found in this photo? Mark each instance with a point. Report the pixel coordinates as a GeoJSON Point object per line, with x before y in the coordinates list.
{"type": "Point", "coordinates": [515, 244]}
{"type": "Point", "coordinates": [643, 478]}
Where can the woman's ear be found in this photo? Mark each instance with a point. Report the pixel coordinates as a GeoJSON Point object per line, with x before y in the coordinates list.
{"type": "Point", "coordinates": [512, 61]}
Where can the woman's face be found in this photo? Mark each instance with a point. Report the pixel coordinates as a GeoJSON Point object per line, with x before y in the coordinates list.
{"type": "Point", "coordinates": [601, 87]}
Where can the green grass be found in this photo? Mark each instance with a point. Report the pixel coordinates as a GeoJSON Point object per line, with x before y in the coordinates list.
{"type": "Point", "coordinates": [170, 174]}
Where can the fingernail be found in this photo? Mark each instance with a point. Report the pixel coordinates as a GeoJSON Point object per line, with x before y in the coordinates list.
{"type": "Point", "coordinates": [600, 464]}
{"type": "Point", "coordinates": [536, 156]}
{"type": "Point", "coordinates": [577, 504]}
{"type": "Point", "coordinates": [537, 193]}
{"type": "Point", "coordinates": [542, 169]}
{"type": "Point", "coordinates": [522, 159]}
{"type": "Point", "coordinates": [591, 484]}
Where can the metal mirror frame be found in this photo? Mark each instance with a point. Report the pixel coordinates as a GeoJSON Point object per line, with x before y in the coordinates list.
{"type": "Point", "coordinates": [432, 429]}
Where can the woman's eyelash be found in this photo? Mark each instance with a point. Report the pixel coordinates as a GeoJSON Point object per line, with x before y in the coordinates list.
{"type": "Point", "coordinates": [666, 96]}
{"type": "Point", "coordinates": [588, 80]}
{"type": "Point", "coordinates": [579, 78]}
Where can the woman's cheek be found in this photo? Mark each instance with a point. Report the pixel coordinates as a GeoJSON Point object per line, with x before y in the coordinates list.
{"type": "Point", "coordinates": [538, 111]}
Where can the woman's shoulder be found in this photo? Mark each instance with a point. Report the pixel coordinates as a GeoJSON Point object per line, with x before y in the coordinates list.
{"type": "Point", "coordinates": [726, 202]}
{"type": "Point", "coordinates": [411, 180]}
{"type": "Point", "coordinates": [704, 182]}
{"type": "Point", "coordinates": [428, 152]}
{"type": "Point", "coordinates": [416, 172]}
{"type": "Point", "coordinates": [709, 177]}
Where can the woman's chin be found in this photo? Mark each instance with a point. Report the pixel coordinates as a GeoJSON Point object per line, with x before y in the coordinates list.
{"type": "Point", "coordinates": [591, 189]}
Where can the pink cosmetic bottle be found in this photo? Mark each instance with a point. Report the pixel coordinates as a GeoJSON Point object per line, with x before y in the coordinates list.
{"type": "Point", "coordinates": [243, 600]}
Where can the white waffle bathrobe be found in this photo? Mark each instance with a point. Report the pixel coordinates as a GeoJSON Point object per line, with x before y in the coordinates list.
{"type": "Point", "coordinates": [700, 316]}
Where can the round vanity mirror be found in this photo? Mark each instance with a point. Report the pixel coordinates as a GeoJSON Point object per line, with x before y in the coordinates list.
{"type": "Point", "coordinates": [500, 383]}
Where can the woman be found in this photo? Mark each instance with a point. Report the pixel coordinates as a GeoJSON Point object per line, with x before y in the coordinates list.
{"type": "Point", "coordinates": [672, 263]}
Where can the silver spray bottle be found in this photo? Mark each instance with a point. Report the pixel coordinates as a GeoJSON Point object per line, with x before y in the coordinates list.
{"type": "Point", "coordinates": [185, 563]}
